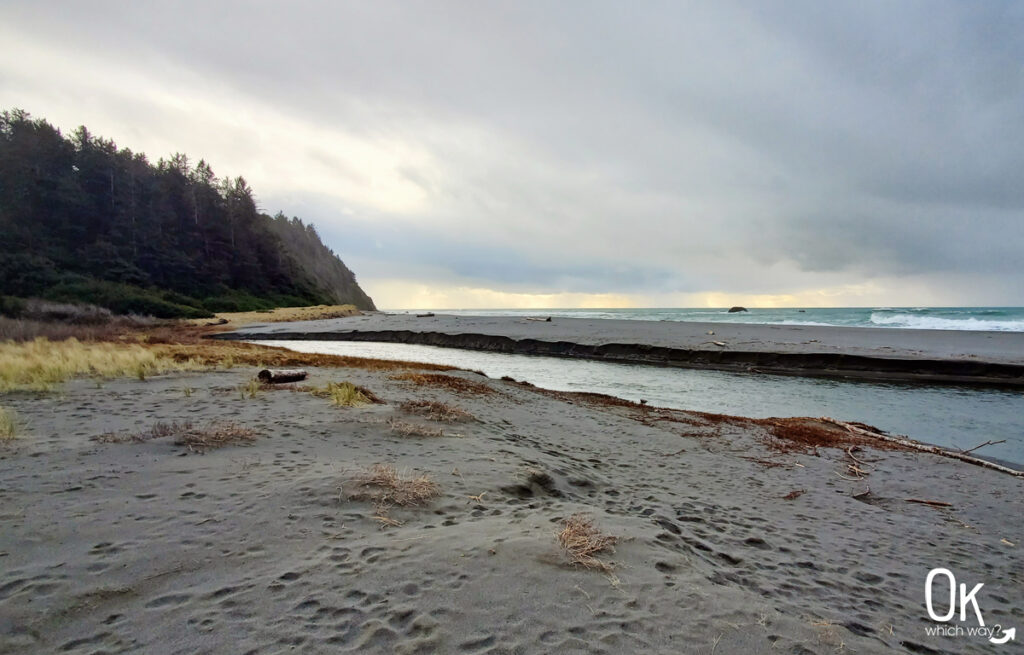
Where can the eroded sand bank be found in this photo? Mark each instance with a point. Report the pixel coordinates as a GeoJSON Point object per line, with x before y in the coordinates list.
{"type": "Point", "coordinates": [866, 353]}
{"type": "Point", "coordinates": [728, 545]}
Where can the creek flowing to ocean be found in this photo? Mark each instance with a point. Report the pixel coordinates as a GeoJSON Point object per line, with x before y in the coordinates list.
{"type": "Point", "coordinates": [950, 416]}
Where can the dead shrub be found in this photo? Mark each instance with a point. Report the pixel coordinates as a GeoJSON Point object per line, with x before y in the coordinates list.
{"type": "Point", "coordinates": [435, 411]}
{"type": "Point", "coordinates": [407, 429]}
{"type": "Point", "coordinates": [215, 435]}
{"type": "Point", "coordinates": [158, 430]}
{"type": "Point", "coordinates": [581, 540]}
{"type": "Point", "coordinates": [197, 439]}
{"type": "Point", "coordinates": [383, 485]}
{"type": "Point", "coordinates": [449, 382]}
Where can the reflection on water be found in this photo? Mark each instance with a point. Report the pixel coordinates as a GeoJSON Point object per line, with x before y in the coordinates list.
{"type": "Point", "coordinates": [948, 416]}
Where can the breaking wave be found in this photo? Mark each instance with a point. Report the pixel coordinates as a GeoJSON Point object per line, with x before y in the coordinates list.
{"type": "Point", "coordinates": [917, 321]}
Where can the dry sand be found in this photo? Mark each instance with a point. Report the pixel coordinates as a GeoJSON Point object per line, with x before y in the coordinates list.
{"type": "Point", "coordinates": [150, 548]}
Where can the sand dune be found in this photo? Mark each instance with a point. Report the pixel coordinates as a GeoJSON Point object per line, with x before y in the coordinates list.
{"type": "Point", "coordinates": [145, 546]}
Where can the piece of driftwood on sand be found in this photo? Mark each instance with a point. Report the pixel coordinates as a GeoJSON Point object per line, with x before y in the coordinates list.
{"type": "Point", "coordinates": [280, 376]}
{"type": "Point", "coordinates": [914, 445]}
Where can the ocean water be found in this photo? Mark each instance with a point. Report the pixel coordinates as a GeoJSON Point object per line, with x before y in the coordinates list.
{"type": "Point", "coordinates": [999, 319]}
{"type": "Point", "coordinates": [955, 417]}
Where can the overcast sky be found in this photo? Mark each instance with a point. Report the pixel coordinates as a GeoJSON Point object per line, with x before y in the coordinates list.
{"type": "Point", "coordinates": [516, 154]}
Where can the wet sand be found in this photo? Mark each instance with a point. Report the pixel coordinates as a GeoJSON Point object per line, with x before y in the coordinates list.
{"type": "Point", "coordinates": [865, 353]}
{"type": "Point", "coordinates": [149, 548]}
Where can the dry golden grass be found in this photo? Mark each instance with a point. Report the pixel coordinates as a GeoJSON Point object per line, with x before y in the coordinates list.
{"type": "Point", "coordinates": [280, 314]}
{"type": "Point", "coordinates": [345, 394]}
{"type": "Point", "coordinates": [581, 540]}
{"type": "Point", "coordinates": [407, 429]}
{"type": "Point", "coordinates": [449, 382]}
{"type": "Point", "coordinates": [190, 345]}
{"type": "Point", "coordinates": [386, 487]}
{"type": "Point", "coordinates": [11, 425]}
{"type": "Point", "coordinates": [436, 411]}
{"type": "Point", "coordinates": [41, 364]}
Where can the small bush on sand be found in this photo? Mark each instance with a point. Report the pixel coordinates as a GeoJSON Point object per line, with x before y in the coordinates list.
{"type": "Point", "coordinates": [449, 382]}
{"type": "Point", "coordinates": [215, 435]}
{"type": "Point", "coordinates": [436, 411]}
{"type": "Point", "coordinates": [407, 429]}
{"type": "Point", "coordinates": [581, 540]}
{"type": "Point", "coordinates": [195, 438]}
{"type": "Point", "coordinates": [11, 424]}
{"type": "Point", "coordinates": [386, 487]}
{"type": "Point", "coordinates": [345, 394]}
{"type": "Point", "coordinates": [41, 364]}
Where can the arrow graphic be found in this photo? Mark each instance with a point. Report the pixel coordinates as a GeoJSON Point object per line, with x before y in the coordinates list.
{"type": "Point", "coordinates": [1008, 635]}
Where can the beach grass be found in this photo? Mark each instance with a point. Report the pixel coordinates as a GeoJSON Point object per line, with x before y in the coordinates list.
{"type": "Point", "coordinates": [11, 424]}
{"type": "Point", "coordinates": [280, 314]}
{"type": "Point", "coordinates": [40, 356]}
{"type": "Point", "coordinates": [250, 389]}
{"type": "Point", "coordinates": [345, 394]}
{"type": "Point", "coordinates": [41, 364]}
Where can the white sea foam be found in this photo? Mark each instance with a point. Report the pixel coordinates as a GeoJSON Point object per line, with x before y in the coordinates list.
{"type": "Point", "coordinates": [935, 323]}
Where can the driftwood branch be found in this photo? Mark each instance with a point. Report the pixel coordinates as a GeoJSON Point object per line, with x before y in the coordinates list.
{"type": "Point", "coordinates": [982, 445]}
{"type": "Point", "coordinates": [906, 442]}
{"type": "Point", "coordinates": [930, 503]}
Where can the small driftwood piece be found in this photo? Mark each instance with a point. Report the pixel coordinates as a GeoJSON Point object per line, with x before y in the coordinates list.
{"type": "Point", "coordinates": [427, 315]}
{"type": "Point", "coordinates": [539, 320]}
{"type": "Point", "coordinates": [906, 442]}
{"type": "Point", "coordinates": [982, 445]}
{"type": "Point", "coordinates": [280, 376]}
{"type": "Point", "coordinates": [930, 503]}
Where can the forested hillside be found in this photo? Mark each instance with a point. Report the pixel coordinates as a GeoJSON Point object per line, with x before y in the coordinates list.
{"type": "Point", "coordinates": [319, 261]}
{"type": "Point", "coordinates": [83, 220]}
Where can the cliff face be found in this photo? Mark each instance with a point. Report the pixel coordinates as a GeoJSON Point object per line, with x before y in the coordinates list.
{"type": "Point", "coordinates": [319, 262]}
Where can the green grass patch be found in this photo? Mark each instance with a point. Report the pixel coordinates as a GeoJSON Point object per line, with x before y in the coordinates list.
{"type": "Point", "coordinates": [11, 425]}
{"type": "Point", "coordinates": [345, 394]}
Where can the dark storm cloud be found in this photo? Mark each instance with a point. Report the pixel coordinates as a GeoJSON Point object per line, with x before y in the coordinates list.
{"type": "Point", "coordinates": [619, 146]}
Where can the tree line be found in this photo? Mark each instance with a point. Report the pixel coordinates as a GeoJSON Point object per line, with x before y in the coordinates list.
{"type": "Point", "coordinates": [83, 220]}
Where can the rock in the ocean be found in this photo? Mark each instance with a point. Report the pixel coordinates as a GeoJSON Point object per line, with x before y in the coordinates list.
{"type": "Point", "coordinates": [733, 310]}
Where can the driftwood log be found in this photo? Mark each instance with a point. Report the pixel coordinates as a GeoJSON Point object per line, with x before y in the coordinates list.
{"type": "Point", "coordinates": [279, 376]}
{"type": "Point", "coordinates": [914, 445]}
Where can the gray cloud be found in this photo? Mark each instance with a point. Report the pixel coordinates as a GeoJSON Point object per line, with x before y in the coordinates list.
{"type": "Point", "coordinates": [612, 147]}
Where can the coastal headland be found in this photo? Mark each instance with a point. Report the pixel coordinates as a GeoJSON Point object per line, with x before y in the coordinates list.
{"type": "Point", "coordinates": [940, 356]}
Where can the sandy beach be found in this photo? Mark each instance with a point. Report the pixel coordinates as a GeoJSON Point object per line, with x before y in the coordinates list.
{"type": "Point", "coordinates": [944, 356]}
{"type": "Point", "coordinates": [730, 540]}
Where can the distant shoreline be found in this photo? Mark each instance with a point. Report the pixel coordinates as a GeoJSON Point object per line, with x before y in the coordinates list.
{"type": "Point", "coordinates": [946, 356]}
